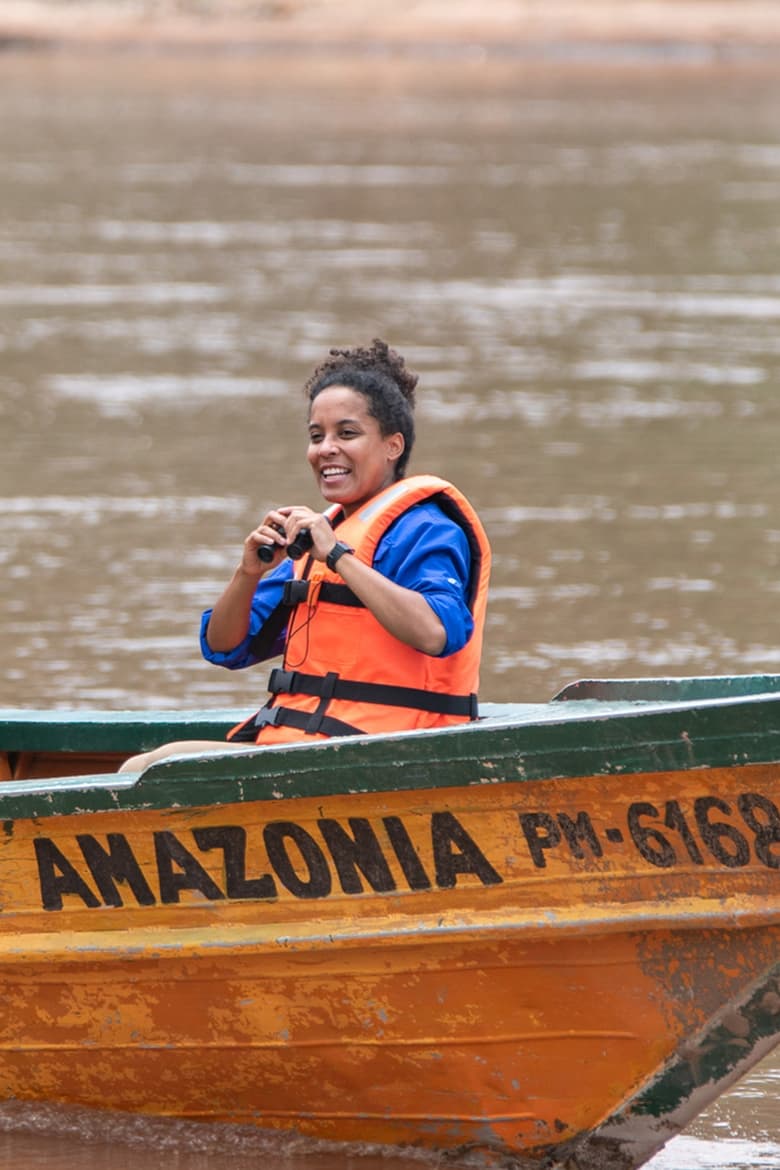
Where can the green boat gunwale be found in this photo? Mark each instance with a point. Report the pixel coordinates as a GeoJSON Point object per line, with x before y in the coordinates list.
{"type": "Point", "coordinates": [691, 724]}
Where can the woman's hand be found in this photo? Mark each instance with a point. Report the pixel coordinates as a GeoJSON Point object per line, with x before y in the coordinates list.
{"type": "Point", "coordinates": [298, 518]}
{"type": "Point", "coordinates": [277, 531]}
{"type": "Point", "coordinates": [270, 534]}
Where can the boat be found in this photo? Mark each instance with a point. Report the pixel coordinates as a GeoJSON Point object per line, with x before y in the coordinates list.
{"type": "Point", "coordinates": [544, 939]}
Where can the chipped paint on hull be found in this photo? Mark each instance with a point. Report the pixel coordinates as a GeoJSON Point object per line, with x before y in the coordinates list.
{"type": "Point", "coordinates": [699, 1071]}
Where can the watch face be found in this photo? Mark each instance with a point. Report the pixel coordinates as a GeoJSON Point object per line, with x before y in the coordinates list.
{"type": "Point", "coordinates": [336, 552]}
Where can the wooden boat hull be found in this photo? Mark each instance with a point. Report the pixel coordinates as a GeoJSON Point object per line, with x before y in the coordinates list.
{"type": "Point", "coordinates": [449, 940]}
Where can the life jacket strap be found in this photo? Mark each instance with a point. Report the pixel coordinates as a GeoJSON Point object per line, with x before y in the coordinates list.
{"type": "Point", "coordinates": [297, 590]}
{"type": "Point", "coordinates": [312, 724]}
{"type": "Point", "coordinates": [330, 686]}
{"type": "Point", "coordinates": [340, 595]}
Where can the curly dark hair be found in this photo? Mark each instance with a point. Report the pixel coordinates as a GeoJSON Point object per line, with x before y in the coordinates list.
{"type": "Point", "coordinates": [379, 373]}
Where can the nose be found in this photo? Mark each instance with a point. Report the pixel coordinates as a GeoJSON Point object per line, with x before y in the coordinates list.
{"type": "Point", "coordinates": [329, 444]}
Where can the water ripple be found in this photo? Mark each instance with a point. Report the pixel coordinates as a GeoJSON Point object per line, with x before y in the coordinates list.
{"type": "Point", "coordinates": [104, 294]}
{"type": "Point", "coordinates": [109, 391]}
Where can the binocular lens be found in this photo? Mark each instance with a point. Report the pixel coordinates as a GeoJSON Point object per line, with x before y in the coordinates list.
{"type": "Point", "coordinates": [266, 552]}
{"type": "Point", "coordinates": [300, 545]}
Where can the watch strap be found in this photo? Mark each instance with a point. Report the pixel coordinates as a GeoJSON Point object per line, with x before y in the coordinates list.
{"type": "Point", "coordinates": [336, 552]}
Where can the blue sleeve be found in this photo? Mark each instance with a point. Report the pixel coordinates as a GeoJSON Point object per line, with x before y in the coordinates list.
{"type": "Point", "coordinates": [426, 551]}
{"type": "Point", "coordinates": [267, 596]}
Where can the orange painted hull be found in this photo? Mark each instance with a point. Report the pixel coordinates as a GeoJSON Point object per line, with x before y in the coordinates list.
{"type": "Point", "coordinates": [509, 966]}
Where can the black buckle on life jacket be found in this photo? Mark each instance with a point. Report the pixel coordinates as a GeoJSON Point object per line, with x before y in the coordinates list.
{"type": "Point", "coordinates": [246, 732]}
{"type": "Point", "coordinates": [295, 592]}
{"type": "Point", "coordinates": [282, 682]}
{"type": "Point", "coordinates": [267, 717]}
{"type": "Point", "coordinates": [302, 721]}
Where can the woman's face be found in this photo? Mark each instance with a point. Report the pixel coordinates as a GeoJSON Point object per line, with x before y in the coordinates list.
{"type": "Point", "coordinates": [349, 456]}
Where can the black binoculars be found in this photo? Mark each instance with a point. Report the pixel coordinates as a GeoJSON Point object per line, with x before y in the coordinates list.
{"type": "Point", "coordinates": [295, 551]}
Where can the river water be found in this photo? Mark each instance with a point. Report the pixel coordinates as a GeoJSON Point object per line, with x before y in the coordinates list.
{"type": "Point", "coordinates": [582, 263]}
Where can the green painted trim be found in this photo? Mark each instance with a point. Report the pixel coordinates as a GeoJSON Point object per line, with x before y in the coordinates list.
{"type": "Point", "coordinates": [543, 742]}
{"type": "Point", "coordinates": [654, 690]}
{"type": "Point", "coordinates": [109, 731]}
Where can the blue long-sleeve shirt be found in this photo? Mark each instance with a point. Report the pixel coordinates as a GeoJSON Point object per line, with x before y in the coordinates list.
{"type": "Point", "coordinates": [422, 550]}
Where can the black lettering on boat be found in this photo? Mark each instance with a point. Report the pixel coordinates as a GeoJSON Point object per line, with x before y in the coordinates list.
{"type": "Point", "coordinates": [579, 832]}
{"type": "Point", "coordinates": [231, 839]}
{"type": "Point", "coordinates": [724, 842]}
{"type": "Point", "coordinates": [651, 842]}
{"type": "Point", "coordinates": [674, 818]}
{"type": "Point", "coordinates": [715, 833]}
{"type": "Point", "coordinates": [190, 874]}
{"type": "Point", "coordinates": [541, 832]}
{"type": "Point", "coordinates": [112, 865]}
{"type": "Point", "coordinates": [762, 817]}
{"type": "Point", "coordinates": [360, 851]}
{"type": "Point", "coordinates": [446, 832]}
{"type": "Point", "coordinates": [58, 877]}
{"type": "Point", "coordinates": [408, 857]}
{"type": "Point", "coordinates": [319, 883]}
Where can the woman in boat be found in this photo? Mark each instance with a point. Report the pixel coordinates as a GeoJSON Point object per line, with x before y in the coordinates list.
{"type": "Point", "coordinates": [381, 618]}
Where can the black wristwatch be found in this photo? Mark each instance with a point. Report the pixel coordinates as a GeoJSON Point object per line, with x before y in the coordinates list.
{"type": "Point", "coordinates": [337, 551]}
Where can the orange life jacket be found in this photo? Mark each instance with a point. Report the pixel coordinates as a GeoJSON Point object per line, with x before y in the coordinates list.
{"type": "Point", "coordinates": [343, 673]}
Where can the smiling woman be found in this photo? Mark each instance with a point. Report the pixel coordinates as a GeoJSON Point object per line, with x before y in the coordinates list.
{"type": "Point", "coordinates": [377, 602]}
